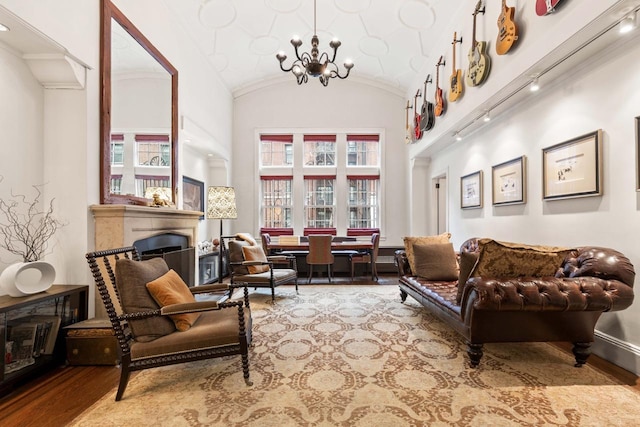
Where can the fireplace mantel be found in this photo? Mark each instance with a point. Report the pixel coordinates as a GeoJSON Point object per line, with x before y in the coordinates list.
{"type": "Point", "coordinates": [121, 225]}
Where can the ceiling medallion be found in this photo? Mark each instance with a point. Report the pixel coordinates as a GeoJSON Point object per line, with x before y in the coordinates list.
{"type": "Point", "coordinates": [314, 64]}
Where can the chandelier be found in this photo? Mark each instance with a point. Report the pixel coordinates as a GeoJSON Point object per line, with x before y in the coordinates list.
{"type": "Point", "coordinates": [313, 64]}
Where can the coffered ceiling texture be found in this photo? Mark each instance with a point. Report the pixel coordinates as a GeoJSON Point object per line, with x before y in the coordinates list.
{"type": "Point", "coordinates": [388, 40]}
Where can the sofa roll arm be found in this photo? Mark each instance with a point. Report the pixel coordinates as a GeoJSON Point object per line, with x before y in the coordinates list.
{"type": "Point", "coordinates": [402, 263]}
{"type": "Point", "coordinates": [546, 294]}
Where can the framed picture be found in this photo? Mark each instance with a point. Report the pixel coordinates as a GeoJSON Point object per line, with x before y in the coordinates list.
{"type": "Point", "coordinates": [471, 191]}
{"type": "Point", "coordinates": [638, 153]}
{"type": "Point", "coordinates": [508, 182]}
{"type": "Point", "coordinates": [192, 195]}
{"type": "Point", "coordinates": [573, 168]}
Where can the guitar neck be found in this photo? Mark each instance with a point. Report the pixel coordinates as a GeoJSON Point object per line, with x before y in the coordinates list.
{"type": "Point", "coordinates": [454, 51]}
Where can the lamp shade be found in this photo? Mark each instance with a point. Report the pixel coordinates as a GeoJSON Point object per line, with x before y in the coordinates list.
{"type": "Point", "coordinates": [221, 203]}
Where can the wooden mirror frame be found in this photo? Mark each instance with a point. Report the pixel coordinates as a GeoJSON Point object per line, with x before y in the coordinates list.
{"type": "Point", "coordinates": [110, 11]}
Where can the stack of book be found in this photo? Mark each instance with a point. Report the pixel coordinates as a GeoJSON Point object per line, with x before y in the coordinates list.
{"type": "Point", "coordinates": [29, 338]}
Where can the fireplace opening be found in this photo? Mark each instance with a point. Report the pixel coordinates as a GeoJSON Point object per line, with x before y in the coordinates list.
{"type": "Point", "coordinates": [175, 250]}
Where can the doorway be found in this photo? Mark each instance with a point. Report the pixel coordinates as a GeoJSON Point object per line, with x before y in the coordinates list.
{"type": "Point", "coordinates": [440, 203]}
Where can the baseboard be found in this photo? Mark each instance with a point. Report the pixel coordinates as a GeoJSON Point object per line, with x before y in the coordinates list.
{"type": "Point", "coordinates": [618, 352]}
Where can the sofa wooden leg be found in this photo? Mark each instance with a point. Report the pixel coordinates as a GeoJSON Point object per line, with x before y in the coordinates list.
{"type": "Point", "coordinates": [581, 351]}
{"type": "Point", "coordinates": [475, 354]}
{"type": "Point", "coordinates": [403, 295]}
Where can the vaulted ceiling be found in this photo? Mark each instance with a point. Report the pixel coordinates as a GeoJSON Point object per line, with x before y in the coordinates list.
{"type": "Point", "coordinates": [388, 40]}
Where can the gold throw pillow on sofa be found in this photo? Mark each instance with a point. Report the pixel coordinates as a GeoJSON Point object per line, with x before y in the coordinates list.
{"type": "Point", "coordinates": [506, 259]}
{"type": "Point", "coordinates": [422, 240]}
{"type": "Point", "coordinates": [436, 261]}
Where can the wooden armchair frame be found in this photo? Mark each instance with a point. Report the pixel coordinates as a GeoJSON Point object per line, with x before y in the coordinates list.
{"type": "Point", "coordinates": [105, 261]}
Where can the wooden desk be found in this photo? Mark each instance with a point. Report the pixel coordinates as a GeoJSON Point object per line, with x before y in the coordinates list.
{"type": "Point", "coordinates": [335, 246]}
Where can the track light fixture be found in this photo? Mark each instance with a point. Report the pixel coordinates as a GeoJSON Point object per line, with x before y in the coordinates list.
{"type": "Point", "coordinates": [628, 23]}
{"type": "Point", "coordinates": [535, 85]}
{"type": "Point", "coordinates": [458, 136]}
{"type": "Point", "coordinates": [487, 117]}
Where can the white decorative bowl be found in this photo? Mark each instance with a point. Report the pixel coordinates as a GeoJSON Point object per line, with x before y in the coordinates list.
{"type": "Point", "coordinates": [26, 278]}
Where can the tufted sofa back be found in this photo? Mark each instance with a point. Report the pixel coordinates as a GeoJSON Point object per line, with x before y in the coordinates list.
{"type": "Point", "coordinates": [603, 263]}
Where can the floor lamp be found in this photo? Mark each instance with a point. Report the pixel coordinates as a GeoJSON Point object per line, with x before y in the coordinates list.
{"type": "Point", "coordinates": [221, 204]}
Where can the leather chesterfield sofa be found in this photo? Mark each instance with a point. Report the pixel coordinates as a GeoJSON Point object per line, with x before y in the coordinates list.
{"type": "Point", "coordinates": [564, 306]}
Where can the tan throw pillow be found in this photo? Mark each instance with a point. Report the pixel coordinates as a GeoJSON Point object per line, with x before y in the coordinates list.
{"type": "Point", "coordinates": [170, 289]}
{"type": "Point", "coordinates": [255, 253]}
{"type": "Point", "coordinates": [436, 261]}
{"type": "Point", "coordinates": [506, 259]}
{"type": "Point", "coordinates": [131, 280]}
{"type": "Point", "coordinates": [467, 262]}
{"type": "Point", "coordinates": [410, 241]}
{"type": "Point", "coordinates": [236, 256]}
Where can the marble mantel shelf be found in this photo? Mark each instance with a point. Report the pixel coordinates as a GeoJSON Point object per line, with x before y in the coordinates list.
{"type": "Point", "coordinates": [121, 225]}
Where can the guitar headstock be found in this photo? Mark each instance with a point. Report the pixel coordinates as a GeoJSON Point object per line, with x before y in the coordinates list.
{"type": "Point", "coordinates": [479, 8]}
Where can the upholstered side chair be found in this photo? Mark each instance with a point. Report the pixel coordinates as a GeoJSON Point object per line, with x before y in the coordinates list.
{"type": "Point", "coordinates": [157, 320]}
{"type": "Point", "coordinates": [320, 253]}
{"type": "Point", "coordinates": [249, 264]}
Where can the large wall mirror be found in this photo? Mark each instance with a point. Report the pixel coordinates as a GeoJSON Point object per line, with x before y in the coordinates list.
{"type": "Point", "coordinates": [139, 115]}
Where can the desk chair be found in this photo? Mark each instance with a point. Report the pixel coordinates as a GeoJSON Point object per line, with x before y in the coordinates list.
{"type": "Point", "coordinates": [367, 257]}
{"type": "Point", "coordinates": [320, 253]}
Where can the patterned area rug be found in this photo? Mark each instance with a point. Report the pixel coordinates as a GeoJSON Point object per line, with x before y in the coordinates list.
{"type": "Point", "coordinates": [357, 356]}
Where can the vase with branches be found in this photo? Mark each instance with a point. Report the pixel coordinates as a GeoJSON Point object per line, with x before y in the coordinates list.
{"type": "Point", "coordinates": [27, 225]}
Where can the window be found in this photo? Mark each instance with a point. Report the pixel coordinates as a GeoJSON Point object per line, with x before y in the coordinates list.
{"type": "Point", "coordinates": [142, 182]}
{"type": "Point", "coordinates": [277, 202]}
{"type": "Point", "coordinates": [116, 184]}
{"type": "Point", "coordinates": [276, 150]}
{"type": "Point", "coordinates": [319, 150]}
{"type": "Point", "coordinates": [363, 203]}
{"type": "Point", "coordinates": [153, 150]}
{"type": "Point", "coordinates": [117, 149]}
{"type": "Point", "coordinates": [319, 202]}
{"type": "Point", "coordinates": [362, 150]}
{"type": "Point", "coordinates": [334, 178]}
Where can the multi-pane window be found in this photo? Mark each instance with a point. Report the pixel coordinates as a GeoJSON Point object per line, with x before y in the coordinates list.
{"type": "Point", "coordinates": [363, 203]}
{"type": "Point", "coordinates": [116, 184]}
{"type": "Point", "coordinates": [319, 202]}
{"type": "Point", "coordinates": [277, 202]}
{"type": "Point", "coordinates": [144, 182]}
{"type": "Point", "coordinates": [153, 150]}
{"type": "Point", "coordinates": [319, 150]}
{"type": "Point", "coordinates": [362, 150]}
{"type": "Point", "coordinates": [276, 150]}
{"type": "Point", "coordinates": [117, 149]}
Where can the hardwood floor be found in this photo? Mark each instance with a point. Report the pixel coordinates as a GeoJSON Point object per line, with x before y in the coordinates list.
{"type": "Point", "coordinates": [55, 399]}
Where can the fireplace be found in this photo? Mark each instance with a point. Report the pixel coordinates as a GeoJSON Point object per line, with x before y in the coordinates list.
{"type": "Point", "coordinates": [174, 249]}
{"type": "Point", "coordinates": [117, 226]}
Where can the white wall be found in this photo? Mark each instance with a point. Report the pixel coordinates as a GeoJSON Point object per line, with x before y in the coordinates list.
{"type": "Point", "coordinates": [602, 94]}
{"type": "Point", "coordinates": [343, 105]}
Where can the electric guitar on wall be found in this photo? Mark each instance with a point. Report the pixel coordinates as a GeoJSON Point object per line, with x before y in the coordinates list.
{"type": "Point", "coordinates": [441, 106]}
{"type": "Point", "coordinates": [407, 138]}
{"type": "Point", "coordinates": [545, 7]}
{"type": "Point", "coordinates": [455, 81]}
{"type": "Point", "coordinates": [417, 130]}
{"type": "Point", "coordinates": [507, 29]}
{"type": "Point", "coordinates": [479, 61]}
{"type": "Point", "coordinates": [427, 116]}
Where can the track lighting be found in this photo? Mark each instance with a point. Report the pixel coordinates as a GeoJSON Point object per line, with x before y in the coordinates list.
{"type": "Point", "coordinates": [535, 85]}
{"type": "Point", "coordinates": [628, 23]}
{"type": "Point", "coordinates": [4, 27]}
{"type": "Point", "coordinates": [487, 117]}
{"type": "Point", "coordinates": [458, 136]}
